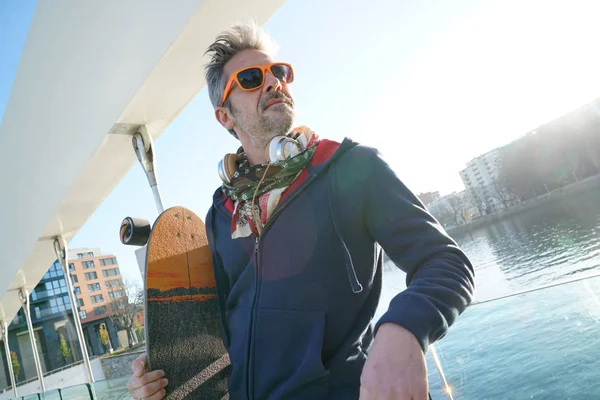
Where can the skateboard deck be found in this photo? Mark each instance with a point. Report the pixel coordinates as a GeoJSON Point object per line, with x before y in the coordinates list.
{"type": "Point", "coordinates": [182, 321]}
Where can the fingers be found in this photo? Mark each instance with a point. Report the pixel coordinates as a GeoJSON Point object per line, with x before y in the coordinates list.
{"type": "Point", "coordinates": [156, 396]}
{"type": "Point", "coordinates": [149, 377]}
{"type": "Point", "coordinates": [146, 385]}
{"type": "Point", "coordinates": [139, 365]}
{"type": "Point", "coordinates": [152, 390]}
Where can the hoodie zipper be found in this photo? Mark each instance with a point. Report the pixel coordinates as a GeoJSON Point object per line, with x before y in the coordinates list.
{"type": "Point", "coordinates": [249, 389]}
{"type": "Point", "coordinates": [254, 309]}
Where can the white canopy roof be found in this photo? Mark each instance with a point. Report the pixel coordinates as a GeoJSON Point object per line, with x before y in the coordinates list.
{"type": "Point", "coordinates": [89, 75]}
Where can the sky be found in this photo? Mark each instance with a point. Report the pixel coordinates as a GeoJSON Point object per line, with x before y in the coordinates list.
{"type": "Point", "coordinates": [432, 84]}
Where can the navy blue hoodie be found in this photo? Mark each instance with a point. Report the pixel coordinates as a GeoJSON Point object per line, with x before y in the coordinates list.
{"type": "Point", "coordinates": [297, 303]}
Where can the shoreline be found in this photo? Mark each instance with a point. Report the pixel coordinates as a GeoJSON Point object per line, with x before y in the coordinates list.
{"type": "Point", "coordinates": [556, 195]}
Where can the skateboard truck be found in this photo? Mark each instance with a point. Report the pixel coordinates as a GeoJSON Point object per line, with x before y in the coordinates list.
{"type": "Point", "coordinates": [136, 231]}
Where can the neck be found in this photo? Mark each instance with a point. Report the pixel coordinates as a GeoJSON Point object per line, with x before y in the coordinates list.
{"type": "Point", "coordinates": [255, 155]}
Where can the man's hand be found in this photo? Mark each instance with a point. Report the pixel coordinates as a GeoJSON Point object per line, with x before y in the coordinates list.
{"type": "Point", "coordinates": [395, 367]}
{"type": "Point", "coordinates": [146, 385]}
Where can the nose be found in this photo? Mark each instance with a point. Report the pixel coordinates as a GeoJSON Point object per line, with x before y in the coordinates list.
{"type": "Point", "coordinates": [271, 83]}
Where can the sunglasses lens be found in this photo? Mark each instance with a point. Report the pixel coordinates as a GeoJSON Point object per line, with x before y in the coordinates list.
{"type": "Point", "coordinates": [283, 73]}
{"type": "Point", "coordinates": [250, 78]}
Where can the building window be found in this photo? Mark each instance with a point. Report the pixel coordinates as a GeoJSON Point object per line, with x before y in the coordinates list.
{"type": "Point", "coordinates": [100, 310]}
{"type": "Point", "coordinates": [90, 254]}
{"type": "Point", "coordinates": [110, 272]}
{"type": "Point", "coordinates": [108, 261]}
{"type": "Point", "coordinates": [94, 287]}
{"type": "Point", "coordinates": [77, 290]}
{"type": "Point", "coordinates": [80, 302]}
{"type": "Point", "coordinates": [88, 264]}
{"type": "Point", "coordinates": [60, 304]}
{"type": "Point", "coordinates": [116, 294]}
{"type": "Point", "coordinates": [71, 267]}
{"type": "Point", "coordinates": [79, 255]}
{"type": "Point", "coordinates": [54, 271]}
{"type": "Point", "coordinates": [90, 275]}
{"type": "Point", "coordinates": [47, 289]}
{"type": "Point", "coordinates": [39, 312]}
{"type": "Point", "coordinates": [97, 298]}
{"type": "Point", "coordinates": [113, 283]}
{"type": "Point", "coordinates": [74, 279]}
{"type": "Point", "coordinates": [19, 318]}
{"type": "Point", "coordinates": [82, 314]}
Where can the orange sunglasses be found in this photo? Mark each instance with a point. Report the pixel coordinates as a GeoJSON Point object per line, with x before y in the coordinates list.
{"type": "Point", "coordinates": [253, 77]}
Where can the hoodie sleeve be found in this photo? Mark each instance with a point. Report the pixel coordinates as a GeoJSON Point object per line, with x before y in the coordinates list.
{"type": "Point", "coordinates": [440, 277]}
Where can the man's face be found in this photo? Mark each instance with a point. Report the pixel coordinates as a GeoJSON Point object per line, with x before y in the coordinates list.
{"type": "Point", "coordinates": [262, 113]}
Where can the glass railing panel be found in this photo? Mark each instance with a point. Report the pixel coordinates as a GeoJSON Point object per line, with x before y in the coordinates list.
{"type": "Point", "coordinates": [52, 395]}
{"type": "Point", "coordinates": [544, 344]}
{"type": "Point", "coordinates": [79, 392]}
{"type": "Point", "coordinates": [112, 389]}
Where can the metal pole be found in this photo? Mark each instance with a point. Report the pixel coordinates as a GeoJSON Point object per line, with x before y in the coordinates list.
{"type": "Point", "coordinates": [142, 144]}
{"type": "Point", "coordinates": [11, 372]}
{"type": "Point", "coordinates": [60, 248]}
{"type": "Point", "coordinates": [24, 295]}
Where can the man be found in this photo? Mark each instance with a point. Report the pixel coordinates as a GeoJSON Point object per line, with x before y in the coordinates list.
{"type": "Point", "coordinates": [296, 242]}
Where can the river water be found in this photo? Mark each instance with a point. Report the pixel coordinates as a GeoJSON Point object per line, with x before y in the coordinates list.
{"type": "Point", "coordinates": [539, 345]}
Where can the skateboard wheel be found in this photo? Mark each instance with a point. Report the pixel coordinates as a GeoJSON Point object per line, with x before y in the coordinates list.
{"type": "Point", "coordinates": [134, 231]}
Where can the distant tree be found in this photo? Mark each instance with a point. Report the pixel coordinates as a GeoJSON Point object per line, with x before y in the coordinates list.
{"type": "Point", "coordinates": [127, 302]}
{"type": "Point", "coordinates": [64, 349]}
{"type": "Point", "coordinates": [138, 328]}
{"type": "Point", "coordinates": [451, 210]}
{"type": "Point", "coordinates": [15, 364]}
{"type": "Point", "coordinates": [514, 171]}
{"type": "Point", "coordinates": [501, 193]}
{"type": "Point", "coordinates": [104, 337]}
{"type": "Point", "coordinates": [444, 215]}
{"type": "Point", "coordinates": [459, 206]}
{"type": "Point", "coordinates": [478, 200]}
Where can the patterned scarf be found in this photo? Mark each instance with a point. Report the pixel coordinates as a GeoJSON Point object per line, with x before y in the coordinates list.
{"type": "Point", "coordinates": [256, 190]}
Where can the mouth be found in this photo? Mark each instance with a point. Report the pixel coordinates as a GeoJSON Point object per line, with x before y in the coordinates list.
{"type": "Point", "coordinates": [273, 102]}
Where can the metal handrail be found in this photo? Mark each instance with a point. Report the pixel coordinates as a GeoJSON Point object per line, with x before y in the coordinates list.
{"type": "Point", "coordinates": [535, 289]}
{"type": "Point", "coordinates": [47, 373]}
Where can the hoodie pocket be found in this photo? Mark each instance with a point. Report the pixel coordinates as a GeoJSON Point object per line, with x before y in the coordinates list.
{"type": "Point", "coordinates": [286, 355]}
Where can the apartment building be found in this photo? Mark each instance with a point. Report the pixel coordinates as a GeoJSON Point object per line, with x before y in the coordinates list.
{"type": "Point", "coordinates": [51, 318]}
{"type": "Point", "coordinates": [479, 178]}
{"type": "Point", "coordinates": [96, 281]}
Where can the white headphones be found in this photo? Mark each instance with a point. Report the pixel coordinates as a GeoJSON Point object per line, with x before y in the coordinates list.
{"type": "Point", "coordinates": [280, 148]}
{"type": "Point", "coordinates": [283, 147]}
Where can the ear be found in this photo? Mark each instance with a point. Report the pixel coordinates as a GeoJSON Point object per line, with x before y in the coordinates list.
{"type": "Point", "coordinates": [224, 117]}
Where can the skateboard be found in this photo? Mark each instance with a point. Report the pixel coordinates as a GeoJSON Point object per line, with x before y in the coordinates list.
{"type": "Point", "coordinates": [182, 321]}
